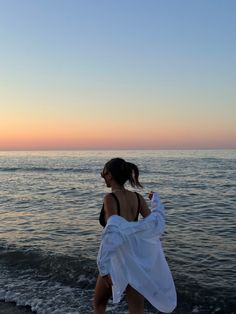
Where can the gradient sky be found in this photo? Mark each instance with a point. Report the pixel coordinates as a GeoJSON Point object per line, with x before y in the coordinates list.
{"type": "Point", "coordinates": [111, 74]}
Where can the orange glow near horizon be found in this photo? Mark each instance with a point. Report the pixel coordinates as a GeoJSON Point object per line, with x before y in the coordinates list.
{"type": "Point", "coordinates": [32, 135]}
{"type": "Point", "coordinates": [35, 128]}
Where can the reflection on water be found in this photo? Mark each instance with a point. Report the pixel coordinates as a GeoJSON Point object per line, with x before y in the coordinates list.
{"type": "Point", "coordinates": [50, 202]}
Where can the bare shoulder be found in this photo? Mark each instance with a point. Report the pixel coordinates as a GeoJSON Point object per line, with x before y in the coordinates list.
{"type": "Point", "coordinates": [144, 209]}
{"type": "Point", "coordinates": [110, 206]}
{"type": "Point", "coordinates": [108, 197]}
{"type": "Point", "coordinates": [141, 198]}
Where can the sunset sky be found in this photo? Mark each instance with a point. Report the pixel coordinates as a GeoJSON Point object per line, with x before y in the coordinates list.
{"type": "Point", "coordinates": [129, 74]}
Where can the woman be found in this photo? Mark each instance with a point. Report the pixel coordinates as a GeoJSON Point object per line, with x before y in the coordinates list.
{"type": "Point", "coordinates": [128, 205]}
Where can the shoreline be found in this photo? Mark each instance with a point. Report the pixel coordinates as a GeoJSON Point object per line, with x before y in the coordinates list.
{"type": "Point", "coordinates": [13, 308]}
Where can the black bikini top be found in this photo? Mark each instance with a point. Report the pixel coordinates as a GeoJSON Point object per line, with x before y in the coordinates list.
{"type": "Point", "coordinates": [102, 213]}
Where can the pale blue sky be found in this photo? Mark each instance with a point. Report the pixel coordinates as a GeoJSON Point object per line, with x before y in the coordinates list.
{"type": "Point", "coordinates": [105, 60]}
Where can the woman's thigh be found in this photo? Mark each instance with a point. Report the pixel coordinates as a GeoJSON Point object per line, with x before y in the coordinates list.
{"type": "Point", "coordinates": [102, 292]}
{"type": "Point", "coordinates": [135, 301]}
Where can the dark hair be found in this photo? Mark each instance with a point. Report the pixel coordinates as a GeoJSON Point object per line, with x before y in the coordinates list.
{"type": "Point", "coordinates": [123, 171]}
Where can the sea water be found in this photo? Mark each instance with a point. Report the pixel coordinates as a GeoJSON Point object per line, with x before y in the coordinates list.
{"type": "Point", "coordinates": [49, 230]}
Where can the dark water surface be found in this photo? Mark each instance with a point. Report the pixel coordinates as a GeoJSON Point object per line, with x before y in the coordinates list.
{"type": "Point", "coordinates": [49, 231]}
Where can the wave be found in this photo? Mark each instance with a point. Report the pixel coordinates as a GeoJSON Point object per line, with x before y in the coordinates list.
{"type": "Point", "coordinates": [62, 268]}
{"type": "Point", "coordinates": [43, 295]}
{"type": "Point", "coordinates": [44, 169]}
{"type": "Point", "coordinates": [51, 274]}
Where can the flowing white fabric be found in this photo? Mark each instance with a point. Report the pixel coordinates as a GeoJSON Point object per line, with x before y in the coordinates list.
{"type": "Point", "coordinates": [131, 253]}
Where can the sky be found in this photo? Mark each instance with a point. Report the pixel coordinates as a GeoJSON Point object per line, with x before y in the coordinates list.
{"type": "Point", "coordinates": [117, 74]}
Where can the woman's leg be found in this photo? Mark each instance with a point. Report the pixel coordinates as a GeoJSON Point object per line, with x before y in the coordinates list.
{"type": "Point", "coordinates": [135, 301]}
{"type": "Point", "coordinates": [101, 296]}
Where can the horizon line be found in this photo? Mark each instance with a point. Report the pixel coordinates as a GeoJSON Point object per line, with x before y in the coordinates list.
{"type": "Point", "coordinates": [109, 149]}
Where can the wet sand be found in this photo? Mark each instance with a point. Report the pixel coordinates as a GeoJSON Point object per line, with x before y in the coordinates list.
{"type": "Point", "coordinates": [11, 308]}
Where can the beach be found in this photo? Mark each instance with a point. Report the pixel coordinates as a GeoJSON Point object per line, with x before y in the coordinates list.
{"type": "Point", "coordinates": [11, 308]}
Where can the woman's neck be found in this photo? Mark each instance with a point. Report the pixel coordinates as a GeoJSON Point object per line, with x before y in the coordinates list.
{"type": "Point", "coordinates": [117, 188]}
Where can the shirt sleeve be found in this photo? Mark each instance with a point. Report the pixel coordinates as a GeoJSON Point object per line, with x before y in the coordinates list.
{"type": "Point", "coordinates": [111, 240]}
{"type": "Point", "coordinates": [158, 208]}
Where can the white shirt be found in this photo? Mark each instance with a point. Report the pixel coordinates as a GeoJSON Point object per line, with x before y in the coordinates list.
{"type": "Point", "coordinates": [131, 253]}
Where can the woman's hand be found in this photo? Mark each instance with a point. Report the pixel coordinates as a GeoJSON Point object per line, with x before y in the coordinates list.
{"type": "Point", "coordinates": [107, 281]}
{"type": "Point", "coordinates": [150, 195]}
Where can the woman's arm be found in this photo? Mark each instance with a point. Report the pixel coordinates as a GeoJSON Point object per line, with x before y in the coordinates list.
{"type": "Point", "coordinates": [110, 206]}
{"type": "Point", "coordinates": [144, 209]}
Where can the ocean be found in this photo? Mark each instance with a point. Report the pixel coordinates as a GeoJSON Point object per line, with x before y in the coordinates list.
{"type": "Point", "coordinates": [49, 232]}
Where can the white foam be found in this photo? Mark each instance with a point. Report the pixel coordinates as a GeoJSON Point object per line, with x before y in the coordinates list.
{"type": "Point", "coordinates": [46, 297]}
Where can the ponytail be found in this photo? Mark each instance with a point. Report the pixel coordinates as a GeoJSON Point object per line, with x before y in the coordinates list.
{"type": "Point", "coordinates": [133, 174]}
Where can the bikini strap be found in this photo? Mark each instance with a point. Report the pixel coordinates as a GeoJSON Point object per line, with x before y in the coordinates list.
{"type": "Point", "coordinates": [117, 202]}
{"type": "Point", "coordinates": [138, 211]}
